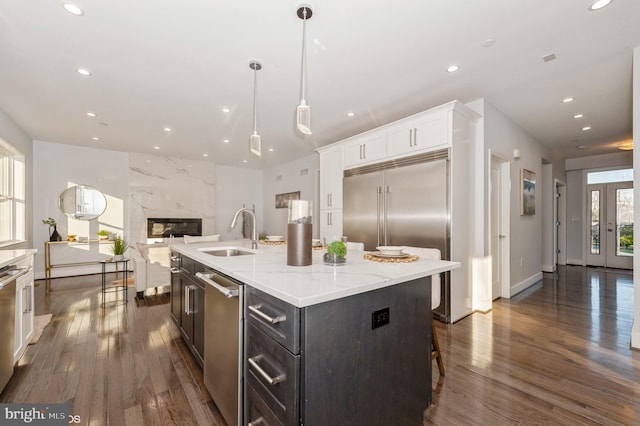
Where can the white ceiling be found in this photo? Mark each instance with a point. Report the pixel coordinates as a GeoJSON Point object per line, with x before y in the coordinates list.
{"type": "Point", "coordinates": [159, 63]}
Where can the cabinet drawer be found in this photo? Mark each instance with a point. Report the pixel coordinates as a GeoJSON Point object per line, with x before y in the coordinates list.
{"type": "Point", "coordinates": [277, 319]}
{"type": "Point", "coordinates": [273, 372]}
{"type": "Point", "coordinates": [258, 412]}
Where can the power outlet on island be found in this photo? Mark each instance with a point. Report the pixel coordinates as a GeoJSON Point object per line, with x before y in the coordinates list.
{"type": "Point", "coordinates": [380, 318]}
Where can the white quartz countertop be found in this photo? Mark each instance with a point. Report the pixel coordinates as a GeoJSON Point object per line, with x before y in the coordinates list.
{"type": "Point", "coordinates": [8, 257]}
{"type": "Point", "coordinates": [267, 270]}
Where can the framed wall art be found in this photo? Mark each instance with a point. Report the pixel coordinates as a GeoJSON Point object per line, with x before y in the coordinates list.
{"type": "Point", "coordinates": [528, 192]}
{"type": "Point", "coordinates": [282, 200]}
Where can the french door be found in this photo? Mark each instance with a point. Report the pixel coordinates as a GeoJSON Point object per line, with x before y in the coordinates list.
{"type": "Point", "coordinates": [610, 225]}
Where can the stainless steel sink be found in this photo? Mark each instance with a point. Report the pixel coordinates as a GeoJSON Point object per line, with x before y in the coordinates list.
{"type": "Point", "coordinates": [228, 252]}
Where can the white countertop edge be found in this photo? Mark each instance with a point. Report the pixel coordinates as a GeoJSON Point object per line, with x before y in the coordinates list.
{"type": "Point", "coordinates": [14, 255]}
{"type": "Point", "coordinates": [317, 283]}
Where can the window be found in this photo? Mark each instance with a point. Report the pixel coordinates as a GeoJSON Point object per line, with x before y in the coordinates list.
{"type": "Point", "coordinates": [12, 195]}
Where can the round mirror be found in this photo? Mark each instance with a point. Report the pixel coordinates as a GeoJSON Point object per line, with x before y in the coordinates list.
{"type": "Point", "coordinates": [82, 202]}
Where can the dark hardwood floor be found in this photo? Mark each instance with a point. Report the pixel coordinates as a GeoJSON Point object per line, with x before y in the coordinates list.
{"type": "Point", "coordinates": [556, 354]}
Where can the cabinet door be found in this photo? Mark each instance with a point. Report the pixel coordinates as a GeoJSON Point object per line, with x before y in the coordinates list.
{"type": "Point", "coordinates": [365, 149]}
{"type": "Point", "coordinates": [176, 297]}
{"type": "Point", "coordinates": [330, 223]}
{"type": "Point", "coordinates": [186, 323]}
{"type": "Point", "coordinates": [331, 179]}
{"type": "Point", "coordinates": [418, 134]}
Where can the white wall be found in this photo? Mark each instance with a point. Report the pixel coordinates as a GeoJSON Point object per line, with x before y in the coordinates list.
{"type": "Point", "coordinates": [501, 137]}
{"type": "Point", "coordinates": [298, 175]}
{"type": "Point", "coordinates": [635, 331]}
{"type": "Point", "coordinates": [237, 187]}
{"type": "Point", "coordinates": [13, 134]}
{"type": "Point", "coordinates": [169, 187]}
{"type": "Point", "coordinates": [55, 168]}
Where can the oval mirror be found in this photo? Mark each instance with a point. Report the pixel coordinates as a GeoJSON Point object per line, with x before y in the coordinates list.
{"type": "Point", "coordinates": [82, 202]}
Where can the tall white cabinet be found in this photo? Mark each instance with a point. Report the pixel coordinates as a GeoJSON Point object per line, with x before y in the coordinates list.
{"type": "Point", "coordinates": [451, 126]}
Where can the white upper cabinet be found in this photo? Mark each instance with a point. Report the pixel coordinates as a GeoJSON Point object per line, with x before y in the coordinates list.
{"type": "Point", "coordinates": [365, 149]}
{"type": "Point", "coordinates": [331, 171]}
{"type": "Point", "coordinates": [426, 131]}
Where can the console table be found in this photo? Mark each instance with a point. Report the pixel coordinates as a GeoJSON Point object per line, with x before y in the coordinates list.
{"type": "Point", "coordinates": [49, 265]}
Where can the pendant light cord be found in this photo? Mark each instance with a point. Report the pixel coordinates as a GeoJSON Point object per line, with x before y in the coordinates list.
{"type": "Point", "coordinates": [255, 96]}
{"type": "Point", "coordinates": [303, 77]}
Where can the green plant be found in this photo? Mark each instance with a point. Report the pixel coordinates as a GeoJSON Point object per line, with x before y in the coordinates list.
{"type": "Point", "coordinates": [119, 246]}
{"type": "Point", "coordinates": [337, 248]}
{"type": "Point", "coordinates": [50, 221]}
{"type": "Point", "coordinates": [103, 233]}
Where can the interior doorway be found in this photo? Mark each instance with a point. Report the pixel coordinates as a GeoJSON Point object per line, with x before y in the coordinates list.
{"type": "Point", "coordinates": [610, 223]}
{"type": "Point", "coordinates": [559, 225]}
{"type": "Point", "coordinates": [499, 227]}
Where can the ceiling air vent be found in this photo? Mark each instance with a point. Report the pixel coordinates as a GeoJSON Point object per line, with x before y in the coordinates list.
{"type": "Point", "coordinates": [549, 57]}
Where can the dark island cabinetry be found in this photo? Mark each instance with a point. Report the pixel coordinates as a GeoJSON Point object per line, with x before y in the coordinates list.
{"type": "Point", "coordinates": [361, 359]}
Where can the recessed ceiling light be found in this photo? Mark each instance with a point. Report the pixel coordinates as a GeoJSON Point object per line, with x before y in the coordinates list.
{"type": "Point", "coordinates": [453, 68]}
{"type": "Point", "coordinates": [350, 114]}
{"type": "Point", "coordinates": [225, 109]}
{"type": "Point", "coordinates": [83, 71]}
{"type": "Point", "coordinates": [225, 140]}
{"type": "Point", "coordinates": [626, 146]}
{"type": "Point", "coordinates": [581, 147]}
{"type": "Point", "coordinates": [567, 100]}
{"type": "Point", "coordinates": [72, 8]}
{"type": "Point", "coordinates": [270, 149]}
{"type": "Point", "coordinates": [156, 147]}
{"type": "Point", "coordinates": [586, 128]}
{"type": "Point", "coordinates": [578, 116]}
{"type": "Point", "coordinates": [95, 138]}
{"type": "Point", "coordinates": [168, 129]}
{"type": "Point", "coordinates": [244, 161]}
{"type": "Point", "coordinates": [205, 155]}
{"type": "Point", "coordinates": [599, 4]}
{"type": "Point", "coordinates": [91, 114]}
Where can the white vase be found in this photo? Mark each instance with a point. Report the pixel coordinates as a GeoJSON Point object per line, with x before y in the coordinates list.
{"type": "Point", "coordinates": [118, 257]}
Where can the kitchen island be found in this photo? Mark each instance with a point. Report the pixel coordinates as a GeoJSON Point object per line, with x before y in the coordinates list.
{"type": "Point", "coordinates": [321, 344]}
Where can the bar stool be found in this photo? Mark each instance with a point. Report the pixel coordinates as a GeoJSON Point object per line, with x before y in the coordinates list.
{"type": "Point", "coordinates": [435, 302]}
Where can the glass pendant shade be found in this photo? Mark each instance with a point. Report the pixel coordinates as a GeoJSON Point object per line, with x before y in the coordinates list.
{"type": "Point", "coordinates": [303, 111]}
{"type": "Point", "coordinates": [255, 145]}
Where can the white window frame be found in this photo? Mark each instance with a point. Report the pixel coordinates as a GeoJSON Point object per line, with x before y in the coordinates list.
{"type": "Point", "coordinates": [12, 195]}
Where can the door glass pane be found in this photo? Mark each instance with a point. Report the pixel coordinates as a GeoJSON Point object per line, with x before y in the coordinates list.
{"type": "Point", "coordinates": [595, 222]}
{"type": "Point", "coordinates": [624, 222]}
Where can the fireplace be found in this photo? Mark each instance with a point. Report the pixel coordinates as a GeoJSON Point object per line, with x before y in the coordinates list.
{"type": "Point", "coordinates": [177, 227]}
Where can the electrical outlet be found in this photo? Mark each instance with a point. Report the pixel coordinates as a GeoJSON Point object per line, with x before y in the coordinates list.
{"type": "Point", "coordinates": [380, 318]}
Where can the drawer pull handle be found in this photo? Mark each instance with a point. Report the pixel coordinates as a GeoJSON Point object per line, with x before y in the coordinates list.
{"type": "Point", "coordinates": [174, 258]}
{"type": "Point", "coordinates": [273, 320]}
{"type": "Point", "coordinates": [271, 380]}
{"type": "Point", "coordinates": [174, 270]}
{"type": "Point", "coordinates": [256, 422]}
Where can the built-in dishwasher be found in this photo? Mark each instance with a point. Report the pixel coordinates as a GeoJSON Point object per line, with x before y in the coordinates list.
{"type": "Point", "coordinates": [223, 343]}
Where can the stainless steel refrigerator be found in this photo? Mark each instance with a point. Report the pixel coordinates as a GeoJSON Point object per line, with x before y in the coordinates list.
{"type": "Point", "coordinates": [401, 203]}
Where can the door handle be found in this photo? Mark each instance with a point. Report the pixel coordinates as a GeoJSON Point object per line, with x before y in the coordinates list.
{"type": "Point", "coordinates": [502, 236]}
{"type": "Point", "coordinates": [226, 292]}
{"type": "Point", "coordinates": [410, 137]}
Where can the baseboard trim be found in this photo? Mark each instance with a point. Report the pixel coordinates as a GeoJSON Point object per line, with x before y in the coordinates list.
{"type": "Point", "coordinates": [548, 268]}
{"type": "Point", "coordinates": [635, 335]}
{"type": "Point", "coordinates": [577, 262]}
{"type": "Point", "coordinates": [525, 284]}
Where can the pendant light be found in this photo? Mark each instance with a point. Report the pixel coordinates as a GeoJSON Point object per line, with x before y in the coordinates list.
{"type": "Point", "coordinates": [254, 139]}
{"type": "Point", "coordinates": [303, 111]}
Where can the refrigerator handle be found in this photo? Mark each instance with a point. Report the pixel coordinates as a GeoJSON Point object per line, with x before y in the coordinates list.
{"type": "Point", "coordinates": [384, 218]}
{"type": "Point", "coordinates": [378, 194]}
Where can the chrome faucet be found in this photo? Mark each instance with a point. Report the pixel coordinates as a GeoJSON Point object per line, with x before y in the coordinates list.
{"type": "Point", "coordinates": [254, 232]}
